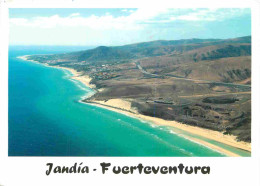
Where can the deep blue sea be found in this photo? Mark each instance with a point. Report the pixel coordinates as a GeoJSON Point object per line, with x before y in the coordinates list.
{"type": "Point", "coordinates": [47, 119]}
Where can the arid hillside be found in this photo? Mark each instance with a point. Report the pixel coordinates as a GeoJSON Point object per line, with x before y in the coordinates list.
{"type": "Point", "coordinates": [201, 82]}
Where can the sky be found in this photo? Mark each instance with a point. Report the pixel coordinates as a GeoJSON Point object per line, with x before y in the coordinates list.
{"type": "Point", "coordinates": [111, 27]}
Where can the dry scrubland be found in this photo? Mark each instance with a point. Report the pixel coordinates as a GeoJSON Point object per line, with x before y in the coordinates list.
{"type": "Point", "coordinates": [205, 83]}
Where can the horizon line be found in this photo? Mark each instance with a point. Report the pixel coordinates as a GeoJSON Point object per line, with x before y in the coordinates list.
{"type": "Point", "coordinates": [130, 43]}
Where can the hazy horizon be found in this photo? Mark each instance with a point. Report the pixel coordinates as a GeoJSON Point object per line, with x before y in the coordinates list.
{"type": "Point", "coordinates": [122, 44]}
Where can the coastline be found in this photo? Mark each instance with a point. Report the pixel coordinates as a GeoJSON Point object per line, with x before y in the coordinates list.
{"type": "Point", "coordinates": [85, 79]}
{"type": "Point", "coordinates": [206, 133]}
{"type": "Point", "coordinates": [124, 107]}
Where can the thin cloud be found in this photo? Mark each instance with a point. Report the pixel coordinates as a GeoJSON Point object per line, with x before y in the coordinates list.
{"type": "Point", "coordinates": [74, 14]}
{"type": "Point", "coordinates": [211, 14]}
{"type": "Point", "coordinates": [133, 21]}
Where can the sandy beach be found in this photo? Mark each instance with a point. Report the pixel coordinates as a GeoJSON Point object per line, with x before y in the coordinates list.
{"type": "Point", "coordinates": [206, 133]}
{"type": "Point", "coordinates": [79, 76]}
{"type": "Point", "coordinates": [85, 79]}
{"type": "Point", "coordinates": [124, 106]}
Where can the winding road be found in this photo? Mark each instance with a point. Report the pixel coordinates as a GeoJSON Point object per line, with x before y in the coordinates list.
{"type": "Point", "coordinates": [188, 79]}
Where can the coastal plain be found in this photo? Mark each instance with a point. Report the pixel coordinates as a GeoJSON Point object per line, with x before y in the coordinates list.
{"type": "Point", "coordinates": [201, 86]}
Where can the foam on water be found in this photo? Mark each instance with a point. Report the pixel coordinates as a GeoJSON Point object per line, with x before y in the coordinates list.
{"type": "Point", "coordinates": [67, 73]}
{"type": "Point", "coordinates": [194, 141]}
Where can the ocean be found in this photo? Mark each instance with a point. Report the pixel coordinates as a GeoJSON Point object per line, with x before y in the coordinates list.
{"type": "Point", "coordinates": [47, 119]}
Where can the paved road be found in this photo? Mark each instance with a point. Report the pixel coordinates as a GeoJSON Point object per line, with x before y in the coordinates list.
{"type": "Point", "coordinates": [144, 71]}
{"type": "Point", "coordinates": [188, 79]}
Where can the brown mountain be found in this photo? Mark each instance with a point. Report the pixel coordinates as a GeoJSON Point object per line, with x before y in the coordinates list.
{"type": "Point", "coordinates": [201, 82]}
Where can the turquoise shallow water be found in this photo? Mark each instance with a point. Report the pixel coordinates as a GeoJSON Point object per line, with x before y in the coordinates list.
{"type": "Point", "coordinates": [47, 119]}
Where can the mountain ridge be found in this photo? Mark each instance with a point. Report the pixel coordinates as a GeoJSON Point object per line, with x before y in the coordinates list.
{"type": "Point", "coordinates": [144, 49]}
{"type": "Point", "coordinates": [175, 78]}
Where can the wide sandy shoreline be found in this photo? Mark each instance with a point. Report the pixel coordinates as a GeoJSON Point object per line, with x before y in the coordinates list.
{"type": "Point", "coordinates": [124, 107]}
{"type": "Point", "coordinates": [206, 133]}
